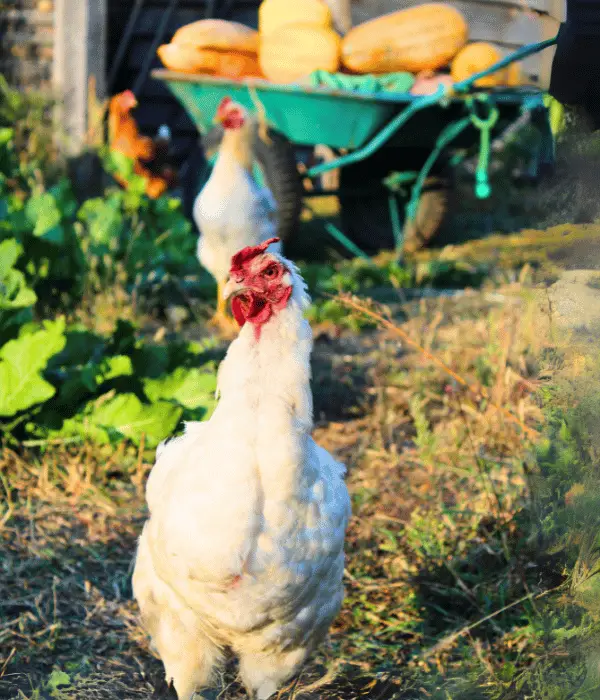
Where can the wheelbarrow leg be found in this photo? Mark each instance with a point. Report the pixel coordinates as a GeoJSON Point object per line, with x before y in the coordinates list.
{"type": "Point", "coordinates": [350, 246]}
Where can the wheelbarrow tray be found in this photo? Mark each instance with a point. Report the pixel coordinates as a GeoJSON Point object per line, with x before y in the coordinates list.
{"type": "Point", "coordinates": [308, 115]}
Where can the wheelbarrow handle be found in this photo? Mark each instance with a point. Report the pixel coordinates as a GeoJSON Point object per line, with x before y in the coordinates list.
{"type": "Point", "coordinates": [382, 136]}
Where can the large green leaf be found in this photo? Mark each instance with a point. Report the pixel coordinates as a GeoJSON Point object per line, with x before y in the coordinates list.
{"type": "Point", "coordinates": [192, 388]}
{"type": "Point", "coordinates": [45, 216]}
{"type": "Point", "coordinates": [21, 363]}
{"type": "Point", "coordinates": [125, 416]}
{"type": "Point", "coordinates": [117, 366]}
{"type": "Point", "coordinates": [10, 250]}
{"type": "Point", "coordinates": [6, 135]}
{"type": "Point", "coordinates": [14, 292]}
{"type": "Point", "coordinates": [82, 347]}
{"type": "Point", "coordinates": [120, 165]}
{"type": "Point", "coordinates": [82, 381]}
{"type": "Point", "coordinates": [103, 218]}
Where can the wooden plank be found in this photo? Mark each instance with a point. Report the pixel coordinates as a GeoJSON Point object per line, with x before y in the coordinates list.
{"type": "Point", "coordinates": [137, 53]}
{"type": "Point", "coordinates": [478, 14]}
{"type": "Point", "coordinates": [22, 41]}
{"type": "Point", "coordinates": [341, 12]}
{"type": "Point", "coordinates": [28, 72]}
{"type": "Point", "coordinates": [79, 52]}
{"type": "Point", "coordinates": [549, 30]}
{"type": "Point", "coordinates": [29, 17]}
{"type": "Point", "coordinates": [557, 9]}
{"type": "Point", "coordinates": [363, 10]}
{"type": "Point", "coordinates": [150, 17]}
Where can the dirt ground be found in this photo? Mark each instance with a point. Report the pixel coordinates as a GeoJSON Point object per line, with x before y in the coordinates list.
{"type": "Point", "coordinates": [437, 477]}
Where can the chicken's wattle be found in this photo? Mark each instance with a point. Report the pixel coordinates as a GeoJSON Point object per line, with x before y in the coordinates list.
{"type": "Point", "coordinates": [256, 308]}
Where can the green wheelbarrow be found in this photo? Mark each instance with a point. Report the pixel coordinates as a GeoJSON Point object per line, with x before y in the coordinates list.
{"type": "Point", "coordinates": [391, 148]}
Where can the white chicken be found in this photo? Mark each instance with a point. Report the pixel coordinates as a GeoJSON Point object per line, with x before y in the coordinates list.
{"type": "Point", "coordinates": [244, 546]}
{"type": "Point", "coordinates": [232, 211]}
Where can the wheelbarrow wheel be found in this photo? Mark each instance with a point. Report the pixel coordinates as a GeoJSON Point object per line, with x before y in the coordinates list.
{"type": "Point", "coordinates": [366, 219]}
{"type": "Point", "coordinates": [431, 213]}
{"type": "Point", "coordinates": [365, 210]}
{"type": "Point", "coordinates": [275, 164]}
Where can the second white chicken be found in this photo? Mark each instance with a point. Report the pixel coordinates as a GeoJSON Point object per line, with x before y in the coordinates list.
{"type": "Point", "coordinates": [232, 211]}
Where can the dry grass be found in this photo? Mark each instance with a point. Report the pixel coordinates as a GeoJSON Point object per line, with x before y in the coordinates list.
{"type": "Point", "coordinates": [436, 474]}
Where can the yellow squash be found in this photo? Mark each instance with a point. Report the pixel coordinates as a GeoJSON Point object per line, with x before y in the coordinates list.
{"type": "Point", "coordinates": [420, 38]}
{"type": "Point", "coordinates": [273, 14]}
{"type": "Point", "coordinates": [296, 50]}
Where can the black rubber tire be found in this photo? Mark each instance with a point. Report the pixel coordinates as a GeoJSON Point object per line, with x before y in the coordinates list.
{"type": "Point", "coordinates": [365, 210]}
{"type": "Point", "coordinates": [278, 163]}
{"type": "Point", "coordinates": [431, 214]}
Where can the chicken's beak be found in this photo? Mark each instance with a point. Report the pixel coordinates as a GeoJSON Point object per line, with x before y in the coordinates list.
{"type": "Point", "coordinates": [233, 289]}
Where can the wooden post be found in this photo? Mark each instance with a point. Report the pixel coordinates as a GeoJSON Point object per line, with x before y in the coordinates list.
{"type": "Point", "coordinates": [79, 52]}
{"type": "Point", "coordinates": [342, 15]}
{"type": "Point", "coordinates": [557, 13]}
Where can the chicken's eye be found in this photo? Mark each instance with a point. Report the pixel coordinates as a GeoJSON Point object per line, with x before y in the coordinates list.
{"type": "Point", "coordinates": [270, 271]}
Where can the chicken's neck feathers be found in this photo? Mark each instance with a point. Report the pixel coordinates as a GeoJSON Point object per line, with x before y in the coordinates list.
{"type": "Point", "coordinates": [282, 349]}
{"type": "Point", "coordinates": [236, 149]}
{"type": "Point", "coordinates": [265, 394]}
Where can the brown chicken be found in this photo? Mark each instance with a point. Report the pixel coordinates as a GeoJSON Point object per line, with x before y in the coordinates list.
{"type": "Point", "coordinates": [149, 155]}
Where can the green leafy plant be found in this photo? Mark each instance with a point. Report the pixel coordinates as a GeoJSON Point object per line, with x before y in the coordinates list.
{"type": "Point", "coordinates": [66, 383]}
{"type": "Point", "coordinates": [16, 298]}
{"type": "Point", "coordinates": [41, 219]}
{"type": "Point", "coordinates": [28, 115]}
{"type": "Point", "coordinates": [63, 381]}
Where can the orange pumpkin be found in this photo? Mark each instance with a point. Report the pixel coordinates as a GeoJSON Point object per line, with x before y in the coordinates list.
{"type": "Point", "coordinates": [184, 59]}
{"type": "Point", "coordinates": [425, 37]}
{"type": "Point", "coordinates": [477, 57]}
{"type": "Point", "coordinates": [218, 34]}
{"type": "Point", "coordinates": [227, 64]}
{"type": "Point", "coordinates": [514, 75]}
{"type": "Point", "coordinates": [237, 65]}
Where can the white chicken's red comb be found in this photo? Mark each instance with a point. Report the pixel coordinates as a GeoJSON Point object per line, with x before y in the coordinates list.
{"type": "Point", "coordinates": [224, 104]}
{"type": "Point", "coordinates": [251, 251]}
